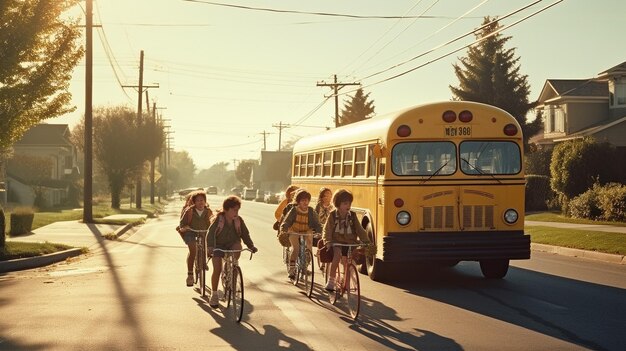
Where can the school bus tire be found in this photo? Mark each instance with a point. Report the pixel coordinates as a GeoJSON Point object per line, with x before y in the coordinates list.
{"type": "Point", "coordinates": [377, 270]}
{"type": "Point", "coordinates": [369, 260]}
{"type": "Point", "coordinates": [494, 269]}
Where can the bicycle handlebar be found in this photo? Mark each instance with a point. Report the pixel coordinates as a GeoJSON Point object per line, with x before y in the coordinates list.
{"type": "Point", "coordinates": [234, 251]}
{"type": "Point", "coordinates": [348, 245]}
{"type": "Point", "coordinates": [304, 234]}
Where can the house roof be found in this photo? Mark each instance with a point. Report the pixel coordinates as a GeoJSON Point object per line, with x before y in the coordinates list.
{"type": "Point", "coordinates": [46, 135]}
{"type": "Point", "coordinates": [616, 70]}
{"type": "Point", "coordinates": [579, 87]}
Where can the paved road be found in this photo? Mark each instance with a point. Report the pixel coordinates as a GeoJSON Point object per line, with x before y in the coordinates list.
{"type": "Point", "coordinates": [131, 295]}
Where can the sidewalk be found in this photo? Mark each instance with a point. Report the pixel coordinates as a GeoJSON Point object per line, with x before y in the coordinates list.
{"type": "Point", "coordinates": [72, 233]}
{"type": "Point", "coordinates": [592, 227]}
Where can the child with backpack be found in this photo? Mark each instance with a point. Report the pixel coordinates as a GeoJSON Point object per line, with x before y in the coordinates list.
{"type": "Point", "coordinates": [195, 215]}
{"type": "Point", "coordinates": [301, 218]}
{"type": "Point", "coordinates": [226, 232]}
{"type": "Point", "coordinates": [342, 226]}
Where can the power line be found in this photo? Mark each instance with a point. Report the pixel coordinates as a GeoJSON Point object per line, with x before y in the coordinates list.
{"type": "Point", "coordinates": [328, 14]}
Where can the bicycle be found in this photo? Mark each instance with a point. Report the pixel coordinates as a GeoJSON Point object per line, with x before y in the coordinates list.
{"type": "Point", "coordinates": [304, 263]}
{"type": "Point", "coordinates": [232, 282]}
{"type": "Point", "coordinates": [201, 261]}
{"type": "Point", "coordinates": [350, 286]}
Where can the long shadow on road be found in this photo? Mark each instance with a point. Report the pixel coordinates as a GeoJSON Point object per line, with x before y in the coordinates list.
{"type": "Point", "coordinates": [583, 313]}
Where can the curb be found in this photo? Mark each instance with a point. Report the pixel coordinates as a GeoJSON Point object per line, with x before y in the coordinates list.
{"type": "Point", "coordinates": [592, 255]}
{"type": "Point", "coordinates": [38, 261]}
{"type": "Point", "coordinates": [120, 231]}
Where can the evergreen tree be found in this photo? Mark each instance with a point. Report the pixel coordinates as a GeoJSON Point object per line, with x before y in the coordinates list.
{"type": "Point", "coordinates": [356, 109]}
{"type": "Point", "coordinates": [38, 51]}
{"type": "Point", "coordinates": [490, 74]}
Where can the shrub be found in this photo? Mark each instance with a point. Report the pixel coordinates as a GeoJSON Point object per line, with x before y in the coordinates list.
{"type": "Point", "coordinates": [586, 205]}
{"type": "Point", "coordinates": [578, 164]}
{"type": "Point", "coordinates": [612, 202]}
{"type": "Point", "coordinates": [22, 220]}
{"type": "Point", "coordinates": [538, 192]}
{"type": "Point", "coordinates": [538, 162]}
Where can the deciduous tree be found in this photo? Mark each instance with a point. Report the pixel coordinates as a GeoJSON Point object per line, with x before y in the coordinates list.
{"type": "Point", "coordinates": [38, 51]}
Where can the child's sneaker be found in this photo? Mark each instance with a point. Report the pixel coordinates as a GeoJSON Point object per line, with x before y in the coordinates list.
{"type": "Point", "coordinates": [214, 300]}
{"type": "Point", "coordinates": [190, 279]}
{"type": "Point", "coordinates": [330, 285]}
{"type": "Point", "coordinates": [292, 272]}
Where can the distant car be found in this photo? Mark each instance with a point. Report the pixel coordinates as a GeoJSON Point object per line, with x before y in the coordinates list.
{"type": "Point", "coordinates": [186, 192]}
{"type": "Point", "coordinates": [249, 194]}
{"type": "Point", "coordinates": [236, 191]}
{"type": "Point", "coordinates": [212, 190]}
{"type": "Point", "coordinates": [270, 198]}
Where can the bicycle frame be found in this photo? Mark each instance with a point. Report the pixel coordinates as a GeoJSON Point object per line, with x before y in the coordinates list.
{"type": "Point", "coordinates": [201, 261]}
{"type": "Point", "coordinates": [304, 264]}
{"type": "Point", "coordinates": [232, 281]}
{"type": "Point", "coordinates": [347, 281]}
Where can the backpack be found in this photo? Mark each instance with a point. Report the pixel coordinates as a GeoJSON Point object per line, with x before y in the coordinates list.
{"type": "Point", "coordinates": [219, 217]}
{"type": "Point", "coordinates": [351, 219]}
{"type": "Point", "coordinates": [187, 214]}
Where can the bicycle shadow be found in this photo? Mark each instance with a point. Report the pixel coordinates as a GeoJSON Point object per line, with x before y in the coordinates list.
{"type": "Point", "coordinates": [372, 324]}
{"type": "Point", "coordinates": [244, 336]}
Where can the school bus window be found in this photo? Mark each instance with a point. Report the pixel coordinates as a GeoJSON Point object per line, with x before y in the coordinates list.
{"type": "Point", "coordinates": [337, 163]}
{"type": "Point", "coordinates": [296, 166]}
{"type": "Point", "coordinates": [310, 164]}
{"type": "Point", "coordinates": [424, 158]}
{"type": "Point", "coordinates": [318, 164]}
{"type": "Point", "coordinates": [327, 164]}
{"type": "Point", "coordinates": [359, 161]}
{"type": "Point", "coordinates": [302, 165]}
{"type": "Point", "coordinates": [371, 170]}
{"type": "Point", "coordinates": [490, 157]}
{"type": "Point", "coordinates": [348, 159]}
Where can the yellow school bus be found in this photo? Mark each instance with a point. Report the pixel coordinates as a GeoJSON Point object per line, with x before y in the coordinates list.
{"type": "Point", "coordinates": [440, 182]}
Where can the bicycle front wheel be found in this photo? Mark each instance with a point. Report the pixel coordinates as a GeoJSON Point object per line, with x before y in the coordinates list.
{"type": "Point", "coordinates": [333, 295]}
{"type": "Point", "coordinates": [237, 294]}
{"type": "Point", "coordinates": [203, 269]}
{"type": "Point", "coordinates": [308, 273]}
{"type": "Point", "coordinates": [353, 291]}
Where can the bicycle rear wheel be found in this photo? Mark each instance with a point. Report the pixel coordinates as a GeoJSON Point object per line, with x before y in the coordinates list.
{"type": "Point", "coordinates": [353, 290]}
{"type": "Point", "coordinates": [308, 273]}
{"type": "Point", "coordinates": [237, 294]}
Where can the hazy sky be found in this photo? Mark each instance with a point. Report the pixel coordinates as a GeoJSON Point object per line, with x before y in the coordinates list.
{"type": "Point", "coordinates": [228, 74]}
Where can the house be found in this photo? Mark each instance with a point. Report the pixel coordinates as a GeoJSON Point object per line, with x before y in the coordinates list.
{"type": "Point", "coordinates": [576, 108]}
{"type": "Point", "coordinates": [274, 171]}
{"type": "Point", "coordinates": [49, 143]}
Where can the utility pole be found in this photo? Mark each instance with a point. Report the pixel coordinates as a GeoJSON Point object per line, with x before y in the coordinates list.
{"type": "Point", "coordinates": [140, 89]}
{"type": "Point", "coordinates": [264, 134]}
{"type": "Point", "coordinates": [153, 159]}
{"type": "Point", "coordinates": [336, 86]}
{"type": "Point", "coordinates": [88, 149]}
{"type": "Point", "coordinates": [280, 127]}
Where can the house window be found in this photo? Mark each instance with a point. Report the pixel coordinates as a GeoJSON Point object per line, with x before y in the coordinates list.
{"type": "Point", "coordinates": [620, 93]}
{"type": "Point", "coordinates": [68, 162]}
{"type": "Point", "coordinates": [559, 120]}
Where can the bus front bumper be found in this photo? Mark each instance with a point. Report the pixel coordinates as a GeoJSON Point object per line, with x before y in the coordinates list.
{"type": "Point", "coordinates": [465, 246]}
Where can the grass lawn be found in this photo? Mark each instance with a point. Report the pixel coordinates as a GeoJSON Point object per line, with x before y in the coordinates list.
{"type": "Point", "coordinates": [13, 250]}
{"type": "Point", "coordinates": [558, 217]}
{"type": "Point", "coordinates": [614, 243]}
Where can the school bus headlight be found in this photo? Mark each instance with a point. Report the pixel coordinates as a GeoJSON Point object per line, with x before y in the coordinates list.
{"type": "Point", "coordinates": [510, 216]}
{"type": "Point", "coordinates": [403, 218]}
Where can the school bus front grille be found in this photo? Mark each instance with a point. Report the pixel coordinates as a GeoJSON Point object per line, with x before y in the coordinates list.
{"type": "Point", "coordinates": [477, 216]}
{"type": "Point", "coordinates": [438, 217]}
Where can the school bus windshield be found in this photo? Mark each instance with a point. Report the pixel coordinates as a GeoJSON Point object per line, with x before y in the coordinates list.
{"type": "Point", "coordinates": [490, 157]}
{"type": "Point", "coordinates": [424, 158]}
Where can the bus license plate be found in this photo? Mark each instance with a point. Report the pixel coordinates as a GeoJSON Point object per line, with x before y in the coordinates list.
{"type": "Point", "coordinates": [455, 131]}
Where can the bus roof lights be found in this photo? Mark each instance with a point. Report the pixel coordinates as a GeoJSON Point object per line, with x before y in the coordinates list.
{"type": "Point", "coordinates": [466, 116]}
{"type": "Point", "coordinates": [403, 131]}
{"type": "Point", "coordinates": [449, 116]}
{"type": "Point", "coordinates": [510, 129]}
{"type": "Point", "coordinates": [398, 202]}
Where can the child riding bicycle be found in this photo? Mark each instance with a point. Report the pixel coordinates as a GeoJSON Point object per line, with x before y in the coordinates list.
{"type": "Point", "coordinates": [342, 226]}
{"type": "Point", "coordinates": [300, 219]}
{"type": "Point", "coordinates": [196, 215]}
{"type": "Point", "coordinates": [226, 233]}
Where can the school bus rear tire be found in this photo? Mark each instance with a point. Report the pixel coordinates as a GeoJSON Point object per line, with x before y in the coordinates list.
{"type": "Point", "coordinates": [494, 269]}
